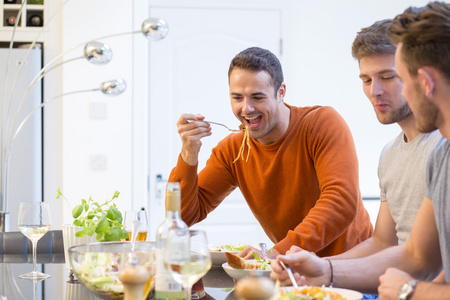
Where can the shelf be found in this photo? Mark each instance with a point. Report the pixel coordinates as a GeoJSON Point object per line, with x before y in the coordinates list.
{"type": "Point", "coordinates": [33, 15]}
{"type": "Point", "coordinates": [18, 6]}
{"type": "Point", "coordinates": [12, 6]}
{"type": "Point", "coordinates": [19, 2]}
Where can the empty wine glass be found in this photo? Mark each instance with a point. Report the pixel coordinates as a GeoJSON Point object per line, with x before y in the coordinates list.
{"type": "Point", "coordinates": [34, 221]}
{"type": "Point", "coordinates": [187, 257]}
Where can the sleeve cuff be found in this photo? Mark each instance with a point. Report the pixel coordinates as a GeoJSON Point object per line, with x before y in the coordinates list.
{"type": "Point", "coordinates": [283, 246]}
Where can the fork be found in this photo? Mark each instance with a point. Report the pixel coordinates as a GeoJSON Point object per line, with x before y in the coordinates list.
{"type": "Point", "coordinates": [233, 130]}
{"type": "Point", "coordinates": [289, 271]}
{"type": "Point", "coordinates": [264, 250]}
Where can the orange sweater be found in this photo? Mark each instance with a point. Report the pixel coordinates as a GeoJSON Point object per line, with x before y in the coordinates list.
{"type": "Point", "coordinates": [303, 189]}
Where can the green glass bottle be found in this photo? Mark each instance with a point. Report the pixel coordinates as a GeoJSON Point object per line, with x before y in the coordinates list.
{"type": "Point", "coordinates": [36, 2]}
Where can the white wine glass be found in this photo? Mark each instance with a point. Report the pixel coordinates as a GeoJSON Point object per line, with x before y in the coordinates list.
{"type": "Point", "coordinates": [34, 221]}
{"type": "Point", "coordinates": [187, 257]}
{"type": "Point", "coordinates": [133, 215]}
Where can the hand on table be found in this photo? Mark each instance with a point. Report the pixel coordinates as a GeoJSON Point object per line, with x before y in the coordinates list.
{"type": "Point", "coordinates": [390, 283]}
{"type": "Point", "coordinates": [247, 253]}
{"type": "Point", "coordinates": [308, 268]}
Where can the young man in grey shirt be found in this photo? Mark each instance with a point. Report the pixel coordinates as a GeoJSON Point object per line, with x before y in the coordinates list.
{"type": "Point", "coordinates": [401, 168]}
{"type": "Point", "coordinates": [421, 59]}
{"type": "Point", "coordinates": [402, 164]}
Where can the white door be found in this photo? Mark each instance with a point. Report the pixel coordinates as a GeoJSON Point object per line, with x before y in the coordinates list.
{"type": "Point", "coordinates": [188, 74]}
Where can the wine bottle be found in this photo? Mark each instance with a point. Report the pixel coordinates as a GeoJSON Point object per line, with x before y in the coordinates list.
{"type": "Point", "coordinates": [165, 286]}
{"type": "Point", "coordinates": [35, 20]}
{"type": "Point", "coordinates": [11, 21]}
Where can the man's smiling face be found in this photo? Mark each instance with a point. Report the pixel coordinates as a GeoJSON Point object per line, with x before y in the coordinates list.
{"type": "Point", "coordinates": [257, 104]}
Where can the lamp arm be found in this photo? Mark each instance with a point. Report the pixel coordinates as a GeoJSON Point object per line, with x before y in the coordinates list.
{"type": "Point", "coordinates": [8, 103]}
{"type": "Point", "coordinates": [8, 131]}
{"type": "Point", "coordinates": [57, 65]}
{"type": "Point", "coordinates": [62, 54]}
{"type": "Point", "coordinates": [116, 34]}
{"type": "Point", "coordinates": [38, 77]}
{"type": "Point", "coordinates": [29, 48]}
{"type": "Point", "coordinates": [5, 105]}
{"type": "Point", "coordinates": [11, 143]}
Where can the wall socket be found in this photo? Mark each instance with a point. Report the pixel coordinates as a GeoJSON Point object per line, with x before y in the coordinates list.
{"type": "Point", "coordinates": [99, 162]}
{"type": "Point", "coordinates": [98, 110]}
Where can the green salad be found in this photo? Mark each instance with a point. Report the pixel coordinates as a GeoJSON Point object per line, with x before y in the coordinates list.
{"type": "Point", "coordinates": [232, 248]}
{"type": "Point", "coordinates": [99, 272]}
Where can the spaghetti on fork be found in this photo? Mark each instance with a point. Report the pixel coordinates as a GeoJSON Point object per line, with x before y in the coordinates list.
{"type": "Point", "coordinates": [245, 140]}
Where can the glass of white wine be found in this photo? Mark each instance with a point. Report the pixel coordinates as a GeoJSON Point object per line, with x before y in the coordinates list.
{"type": "Point", "coordinates": [34, 221]}
{"type": "Point", "coordinates": [133, 215]}
{"type": "Point", "coordinates": [187, 257]}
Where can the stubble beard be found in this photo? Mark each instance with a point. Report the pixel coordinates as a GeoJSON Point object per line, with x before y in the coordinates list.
{"type": "Point", "coordinates": [396, 116]}
{"type": "Point", "coordinates": [427, 113]}
{"type": "Point", "coordinates": [426, 121]}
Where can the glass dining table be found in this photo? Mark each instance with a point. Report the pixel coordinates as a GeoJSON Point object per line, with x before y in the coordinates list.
{"type": "Point", "coordinates": [218, 285]}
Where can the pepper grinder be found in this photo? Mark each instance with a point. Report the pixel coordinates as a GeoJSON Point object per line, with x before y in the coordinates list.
{"type": "Point", "coordinates": [254, 288]}
{"type": "Point", "coordinates": [134, 278]}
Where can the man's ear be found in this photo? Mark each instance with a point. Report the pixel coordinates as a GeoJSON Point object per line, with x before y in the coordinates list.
{"type": "Point", "coordinates": [282, 91]}
{"type": "Point", "coordinates": [427, 80]}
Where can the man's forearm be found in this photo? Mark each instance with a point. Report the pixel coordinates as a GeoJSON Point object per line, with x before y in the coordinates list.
{"type": "Point", "coordinates": [363, 274]}
{"type": "Point", "coordinates": [366, 248]}
{"type": "Point", "coordinates": [431, 290]}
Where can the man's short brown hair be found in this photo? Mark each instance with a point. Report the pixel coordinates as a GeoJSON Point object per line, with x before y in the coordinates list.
{"type": "Point", "coordinates": [258, 59]}
{"type": "Point", "coordinates": [425, 36]}
{"type": "Point", "coordinates": [373, 40]}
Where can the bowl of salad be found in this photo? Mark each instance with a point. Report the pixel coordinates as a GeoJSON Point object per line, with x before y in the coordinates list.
{"type": "Point", "coordinates": [254, 268]}
{"type": "Point", "coordinates": [97, 265]}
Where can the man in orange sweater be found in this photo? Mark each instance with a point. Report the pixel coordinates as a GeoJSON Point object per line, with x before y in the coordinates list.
{"type": "Point", "coordinates": [301, 176]}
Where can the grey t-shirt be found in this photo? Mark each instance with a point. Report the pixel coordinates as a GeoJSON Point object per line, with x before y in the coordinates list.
{"type": "Point", "coordinates": [401, 173]}
{"type": "Point", "coordinates": [438, 190]}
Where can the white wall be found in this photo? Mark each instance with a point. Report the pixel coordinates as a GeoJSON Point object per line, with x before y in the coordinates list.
{"type": "Point", "coordinates": [85, 137]}
{"type": "Point", "coordinates": [52, 112]}
{"type": "Point", "coordinates": [320, 70]}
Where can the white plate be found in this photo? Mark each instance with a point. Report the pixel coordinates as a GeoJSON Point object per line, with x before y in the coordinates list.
{"type": "Point", "coordinates": [218, 257]}
{"type": "Point", "coordinates": [348, 294]}
{"type": "Point", "coordinates": [237, 274]}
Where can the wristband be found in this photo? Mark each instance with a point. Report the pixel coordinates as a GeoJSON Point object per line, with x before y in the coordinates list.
{"type": "Point", "coordinates": [331, 270]}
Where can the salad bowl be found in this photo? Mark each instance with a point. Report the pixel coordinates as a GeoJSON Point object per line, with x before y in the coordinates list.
{"type": "Point", "coordinates": [97, 265]}
{"type": "Point", "coordinates": [237, 274]}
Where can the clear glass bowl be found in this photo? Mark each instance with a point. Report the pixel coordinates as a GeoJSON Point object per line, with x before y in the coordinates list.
{"type": "Point", "coordinates": [97, 265]}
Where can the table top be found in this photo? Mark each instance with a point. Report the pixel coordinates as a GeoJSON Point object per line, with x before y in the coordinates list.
{"type": "Point", "coordinates": [218, 285]}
